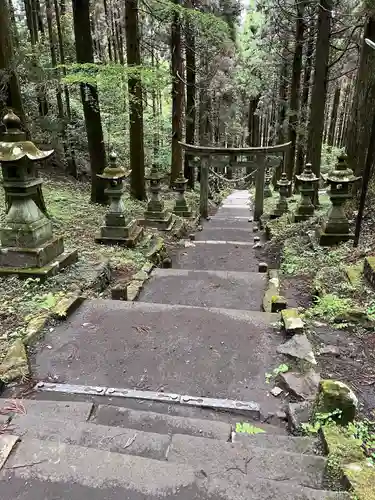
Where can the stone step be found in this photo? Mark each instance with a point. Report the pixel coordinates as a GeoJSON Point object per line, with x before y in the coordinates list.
{"type": "Point", "coordinates": [221, 256]}
{"type": "Point", "coordinates": [233, 290]}
{"type": "Point", "coordinates": [178, 349]}
{"type": "Point", "coordinates": [160, 423]}
{"type": "Point", "coordinates": [166, 408]}
{"type": "Point", "coordinates": [229, 222]}
{"type": "Point", "coordinates": [229, 211]}
{"type": "Point", "coordinates": [73, 411]}
{"type": "Point", "coordinates": [39, 469]}
{"type": "Point", "coordinates": [93, 435]}
{"type": "Point", "coordinates": [225, 234]}
{"type": "Point", "coordinates": [228, 459]}
{"type": "Point", "coordinates": [266, 439]}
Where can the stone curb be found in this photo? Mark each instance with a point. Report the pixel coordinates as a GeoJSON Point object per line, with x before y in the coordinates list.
{"type": "Point", "coordinates": [272, 300]}
{"type": "Point", "coordinates": [248, 408]}
{"type": "Point", "coordinates": [351, 462]}
{"type": "Point", "coordinates": [130, 290]}
{"type": "Point", "coordinates": [369, 270]}
{"type": "Point", "coordinates": [292, 321]}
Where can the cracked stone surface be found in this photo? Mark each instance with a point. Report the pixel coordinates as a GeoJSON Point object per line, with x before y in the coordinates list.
{"type": "Point", "coordinates": [298, 347]}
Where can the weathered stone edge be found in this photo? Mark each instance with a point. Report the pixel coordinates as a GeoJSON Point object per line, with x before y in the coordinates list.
{"type": "Point", "coordinates": [132, 289]}
{"type": "Point", "coordinates": [272, 300]}
{"type": "Point", "coordinates": [248, 408]}
{"type": "Point", "coordinates": [351, 466]}
{"type": "Point", "coordinates": [294, 314]}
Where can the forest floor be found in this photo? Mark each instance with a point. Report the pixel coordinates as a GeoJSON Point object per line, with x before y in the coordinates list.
{"type": "Point", "coordinates": [78, 221]}
{"type": "Point", "coordinates": [336, 302]}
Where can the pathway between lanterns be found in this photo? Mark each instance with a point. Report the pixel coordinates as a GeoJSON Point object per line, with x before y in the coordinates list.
{"type": "Point", "coordinates": [196, 329]}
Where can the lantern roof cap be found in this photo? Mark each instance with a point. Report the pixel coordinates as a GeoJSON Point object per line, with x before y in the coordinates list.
{"type": "Point", "coordinates": [113, 171]}
{"type": "Point", "coordinates": [341, 173]}
{"type": "Point", "coordinates": [307, 175]}
{"type": "Point", "coordinates": [14, 147]}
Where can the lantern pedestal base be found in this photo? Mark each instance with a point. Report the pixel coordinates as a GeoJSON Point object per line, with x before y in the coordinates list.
{"type": "Point", "coordinates": [128, 235]}
{"type": "Point", "coordinates": [65, 259]}
{"type": "Point", "coordinates": [158, 220]}
{"type": "Point", "coordinates": [278, 213]}
{"type": "Point", "coordinates": [299, 217]}
{"type": "Point", "coordinates": [331, 239]}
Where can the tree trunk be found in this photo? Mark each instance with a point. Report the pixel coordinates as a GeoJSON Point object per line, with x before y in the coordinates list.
{"type": "Point", "coordinates": [137, 160]}
{"type": "Point", "coordinates": [363, 104]}
{"type": "Point", "coordinates": [303, 122]}
{"type": "Point", "coordinates": [319, 90]}
{"type": "Point", "coordinates": [177, 95]}
{"type": "Point", "coordinates": [295, 88]}
{"type": "Point", "coordinates": [10, 94]}
{"type": "Point", "coordinates": [90, 100]}
{"type": "Point", "coordinates": [283, 93]}
{"type": "Point", "coordinates": [253, 122]}
{"type": "Point", "coordinates": [332, 125]}
{"type": "Point", "coordinates": [190, 96]}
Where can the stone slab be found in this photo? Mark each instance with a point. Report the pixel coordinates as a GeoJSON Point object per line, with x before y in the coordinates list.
{"type": "Point", "coordinates": [289, 444]}
{"type": "Point", "coordinates": [221, 257]}
{"type": "Point", "coordinates": [7, 443]}
{"type": "Point", "coordinates": [233, 212]}
{"type": "Point", "coordinates": [232, 290]}
{"type": "Point", "coordinates": [180, 349]}
{"type": "Point", "coordinates": [73, 411]}
{"type": "Point", "coordinates": [22, 484]}
{"type": "Point", "coordinates": [226, 234]}
{"type": "Point", "coordinates": [229, 222]}
{"type": "Point", "coordinates": [229, 459]}
{"type": "Point", "coordinates": [149, 421]}
{"type": "Point", "coordinates": [93, 435]}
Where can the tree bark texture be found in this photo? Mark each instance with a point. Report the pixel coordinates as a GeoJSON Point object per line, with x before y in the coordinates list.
{"type": "Point", "coordinates": [137, 155]}
{"type": "Point", "coordinates": [177, 94]}
{"type": "Point", "coordinates": [319, 90]}
{"type": "Point", "coordinates": [190, 118]}
{"type": "Point", "coordinates": [363, 104]}
{"type": "Point", "coordinates": [333, 120]}
{"type": "Point", "coordinates": [295, 88]}
{"type": "Point", "coordinates": [90, 99]}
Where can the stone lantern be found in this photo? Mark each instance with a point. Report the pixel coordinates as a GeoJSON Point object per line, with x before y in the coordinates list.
{"type": "Point", "coordinates": [181, 208]}
{"type": "Point", "coordinates": [336, 228]}
{"type": "Point", "coordinates": [305, 208]}
{"type": "Point", "coordinates": [267, 184]}
{"type": "Point", "coordinates": [116, 229]}
{"type": "Point", "coordinates": [28, 247]}
{"type": "Point", "coordinates": [282, 205]}
{"type": "Point", "coordinates": [156, 216]}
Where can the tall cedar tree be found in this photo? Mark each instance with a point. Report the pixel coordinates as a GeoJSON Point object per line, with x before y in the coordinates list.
{"type": "Point", "coordinates": [137, 155]}
{"type": "Point", "coordinates": [190, 95]}
{"type": "Point", "coordinates": [177, 93]}
{"type": "Point", "coordinates": [90, 100]}
{"type": "Point", "coordinates": [319, 90]}
{"type": "Point", "coordinates": [295, 87]}
{"type": "Point", "coordinates": [10, 94]}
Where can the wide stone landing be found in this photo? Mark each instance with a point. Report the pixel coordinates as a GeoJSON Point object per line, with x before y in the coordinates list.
{"type": "Point", "coordinates": [219, 255]}
{"type": "Point", "coordinates": [185, 350]}
{"type": "Point", "coordinates": [225, 289]}
{"type": "Point", "coordinates": [228, 222]}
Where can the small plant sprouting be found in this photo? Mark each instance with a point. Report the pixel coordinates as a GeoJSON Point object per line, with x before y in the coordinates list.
{"type": "Point", "coordinates": [321, 419]}
{"type": "Point", "coordinates": [246, 428]}
{"type": "Point", "coordinates": [283, 368]}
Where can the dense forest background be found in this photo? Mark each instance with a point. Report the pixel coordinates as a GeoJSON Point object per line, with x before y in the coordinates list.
{"type": "Point", "coordinates": [137, 76]}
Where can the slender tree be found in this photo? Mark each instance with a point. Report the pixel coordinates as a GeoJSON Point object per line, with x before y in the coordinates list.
{"type": "Point", "coordinates": [319, 90]}
{"type": "Point", "coordinates": [137, 161]}
{"type": "Point", "coordinates": [177, 93]}
{"type": "Point", "coordinates": [90, 100]}
{"type": "Point", "coordinates": [190, 117]}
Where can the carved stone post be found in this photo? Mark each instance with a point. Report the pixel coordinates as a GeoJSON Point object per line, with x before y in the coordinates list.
{"type": "Point", "coordinates": [282, 205]}
{"type": "Point", "coordinates": [28, 247]}
{"type": "Point", "coordinates": [156, 216]}
{"type": "Point", "coordinates": [305, 208]}
{"type": "Point", "coordinates": [116, 229]}
{"type": "Point", "coordinates": [267, 184]}
{"type": "Point", "coordinates": [336, 228]}
{"type": "Point", "coordinates": [181, 208]}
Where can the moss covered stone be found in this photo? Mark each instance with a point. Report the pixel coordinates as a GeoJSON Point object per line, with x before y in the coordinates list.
{"type": "Point", "coordinates": [355, 273]}
{"type": "Point", "coordinates": [361, 477]}
{"type": "Point", "coordinates": [292, 321]}
{"type": "Point", "coordinates": [334, 395]}
{"type": "Point", "coordinates": [15, 364]}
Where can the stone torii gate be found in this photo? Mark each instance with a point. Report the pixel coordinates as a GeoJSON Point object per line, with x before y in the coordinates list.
{"type": "Point", "coordinates": [206, 153]}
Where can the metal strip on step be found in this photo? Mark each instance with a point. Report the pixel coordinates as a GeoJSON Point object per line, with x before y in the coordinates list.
{"type": "Point", "coordinates": [223, 242]}
{"type": "Point", "coordinates": [245, 407]}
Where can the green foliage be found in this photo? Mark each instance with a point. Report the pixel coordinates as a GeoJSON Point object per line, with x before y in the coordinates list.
{"type": "Point", "coordinates": [364, 431]}
{"type": "Point", "coordinates": [329, 157]}
{"type": "Point", "coordinates": [329, 306]}
{"type": "Point", "coordinates": [319, 420]}
{"type": "Point", "coordinates": [282, 368]}
{"type": "Point", "coordinates": [246, 428]}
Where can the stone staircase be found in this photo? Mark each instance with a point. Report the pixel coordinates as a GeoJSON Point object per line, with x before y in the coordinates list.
{"type": "Point", "coordinates": [195, 341]}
